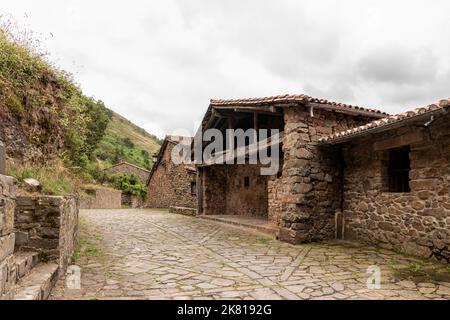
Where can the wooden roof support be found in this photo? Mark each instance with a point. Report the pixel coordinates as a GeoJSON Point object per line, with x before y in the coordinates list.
{"type": "Point", "coordinates": [272, 110]}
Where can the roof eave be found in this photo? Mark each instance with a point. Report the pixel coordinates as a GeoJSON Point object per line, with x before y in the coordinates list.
{"type": "Point", "coordinates": [354, 111]}
{"type": "Point", "coordinates": [385, 127]}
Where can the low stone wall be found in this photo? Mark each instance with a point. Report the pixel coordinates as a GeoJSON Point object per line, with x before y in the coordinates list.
{"type": "Point", "coordinates": [131, 201]}
{"type": "Point", "coordinates": [7, 238]}
{"type": "Point", "coordinates": [184, 211]}
{"type": "Point", "coordinates": [47, 225]}
{"type": "Point", "coordinates": [101, 198]}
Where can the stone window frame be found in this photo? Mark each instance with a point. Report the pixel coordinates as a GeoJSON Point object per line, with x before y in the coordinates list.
{"type": "Point", "coordinates": [247, 182]}
{"type": "Point", "coordinates": [193, 188]}
{"type": "Point", "coordinates": [386, 171]}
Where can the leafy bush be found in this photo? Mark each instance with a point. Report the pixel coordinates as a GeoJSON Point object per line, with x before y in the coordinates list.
{"type": "Point", "coordinates": [30, 82]}
{"type": "Point", "coordinates": [129, 184]}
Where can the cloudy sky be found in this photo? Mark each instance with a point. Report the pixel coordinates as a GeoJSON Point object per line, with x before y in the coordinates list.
{"type": "Point", "coordinates": [159, 62]}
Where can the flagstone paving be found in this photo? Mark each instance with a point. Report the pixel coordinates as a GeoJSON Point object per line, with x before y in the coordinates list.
{"type": "Point", "coordinates": [153, 254]}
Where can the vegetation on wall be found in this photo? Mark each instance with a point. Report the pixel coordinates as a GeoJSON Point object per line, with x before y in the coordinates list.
{"type": "Point", "coordinates": [129, 184]}
{"type": "Point", "coordinates": [50, 108]}
{"type": "Point", "coordinates": [29, 82]}
{"type": "Point", "coordinates": [54, 180]}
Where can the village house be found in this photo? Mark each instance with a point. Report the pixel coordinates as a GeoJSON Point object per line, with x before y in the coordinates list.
{"type": "Point", "coordinates": [128, 168]}
{"type": "Point", "coordinates": [172, 185]}
{"type": "Point", "coordinates": [345, 172]}
{"type": "Point", "coordinates": [396, 181]}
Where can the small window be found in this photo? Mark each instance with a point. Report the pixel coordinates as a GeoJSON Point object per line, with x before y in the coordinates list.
{"type": "Point", "coordinates": [246, 182]}
{"type": "Point", "coordinates": [193, 188]}
{"type": "Point", "coordinates": [398, 170]}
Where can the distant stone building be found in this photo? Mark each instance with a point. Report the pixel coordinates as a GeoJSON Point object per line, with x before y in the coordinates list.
{"type": "Point", "coordinates": [129, 168]}
{"type": "Point", "coordinates": [345, 172]}
{"type": "Point", "coordinates": [169, 184]}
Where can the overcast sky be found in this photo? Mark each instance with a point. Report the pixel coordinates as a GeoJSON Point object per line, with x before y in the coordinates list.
{"type": "Point", "coordinates": [159, 62]}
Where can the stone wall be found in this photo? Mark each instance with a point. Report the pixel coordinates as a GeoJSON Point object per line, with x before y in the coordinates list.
{"type": "Point", "coordinates": [101, 198]}
{"type": "Point", "coordinates": [47, 225]}
{"type": "Point", "coordinates": [131, 201]}
{"type": "Point", "coordinates": [311, 175]}
{"type": "Point", "coordinates": [128, 168]}
{"type": "Point", "coordinates": [214, 190]}
{"type": "Point", "coordinates": [275, 191]}
{"type": "Point", "coordinates": [417, 222]}
{"type": "Point", "coordinates": [2, 159]}
{"type": "Point", "coordinates": [170, 184]}
{"type": "Point", "coordinates": [248, 200]}
{"type": "Point", "coordinates": [7, 238]}
{"type": "Point", "coordinates": [225, 192]}
{"type": "Point", "coordinates": [184, 211]}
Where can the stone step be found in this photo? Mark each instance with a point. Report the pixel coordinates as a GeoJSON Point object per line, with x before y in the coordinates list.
{"type": "Point", "coordinates": [38, 284]}
{"type": "Point", "coordinates": [24, 262]}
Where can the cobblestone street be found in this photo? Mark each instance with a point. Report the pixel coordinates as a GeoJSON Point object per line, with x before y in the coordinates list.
{"type": "Point", "coordinates": [152, 254]}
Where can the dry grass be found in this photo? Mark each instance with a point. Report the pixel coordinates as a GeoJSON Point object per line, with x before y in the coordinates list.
{"type": "Point", "coordinates": [55, 179]}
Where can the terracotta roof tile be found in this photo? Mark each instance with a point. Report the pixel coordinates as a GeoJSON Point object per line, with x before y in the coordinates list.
{"type": "Point", "coordinates": [291, 98]}
{"type": "Point", "coordinates": [179, 139]}
{"type": "Point", "coordinates": [386, 121]}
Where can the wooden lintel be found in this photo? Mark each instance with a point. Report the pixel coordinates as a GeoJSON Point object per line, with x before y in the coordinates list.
{"type": "Point", "coordinates": [395, 142]}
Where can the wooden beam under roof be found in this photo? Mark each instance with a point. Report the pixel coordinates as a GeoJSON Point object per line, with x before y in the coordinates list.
{"type": "Point", "coordinates": [272, 110]}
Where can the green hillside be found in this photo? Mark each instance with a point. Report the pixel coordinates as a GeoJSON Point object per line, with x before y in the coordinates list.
{"type": "Point", "coordinates": [125, 141]}
{"type": "Point", "coordinates": [52, 131]}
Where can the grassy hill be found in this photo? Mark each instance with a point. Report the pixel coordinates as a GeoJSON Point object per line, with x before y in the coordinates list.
{"type": "Point", "coordinates": [123, 140]}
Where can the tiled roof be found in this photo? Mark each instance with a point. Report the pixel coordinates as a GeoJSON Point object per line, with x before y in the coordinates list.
{"type": "Point", "coordinates": [386, 121]}
{"type": "Point", "coordinates": [178, 139]}
{"type": "Point", "coordinates": [128, 164]}
{"type": "Point", "coordinates": [293, 98]}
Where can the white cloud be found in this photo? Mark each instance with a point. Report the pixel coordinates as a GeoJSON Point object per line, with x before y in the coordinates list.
{"type": "Point", "coordinates": [159, 62]}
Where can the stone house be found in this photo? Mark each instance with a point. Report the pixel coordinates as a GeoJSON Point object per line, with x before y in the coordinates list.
{"type": "Point", "coordinates": [343, 173]}
{"type": "Point", "coordinates": [172, 185]}
{"type": "Point", "coordinates": [129, 168]}
{"type": "Point", "coordinates": [396, 181]}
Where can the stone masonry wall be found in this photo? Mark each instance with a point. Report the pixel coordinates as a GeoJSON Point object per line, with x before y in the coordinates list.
{"type": "Point", "coordinates": [417, 222]}
{"type": "Point", "coordinates": [242, 200]}
{"type": "Point", "coordinates": [127, 168]}
{"type": "Point", "coordinates": [7, 238]}
{"type": "Point", "coordinates": [311, 176]}
{"type": "Point", "coordinates": [170, 184]}
{"type": "Point", "coordinates": [101, 198]}
{"type": "Point", "coordinates": [2, 158]}
{"type": "Point", "coordinates": [48, 225]}
{"type": "Point", "coordinates": [275, 199]}
{"type": "Point", "coordinates": [214, 190]}
{"type": "Point", "coordinates": [225, 191]}
{"type": "Point", "coordinates": [131, 201]}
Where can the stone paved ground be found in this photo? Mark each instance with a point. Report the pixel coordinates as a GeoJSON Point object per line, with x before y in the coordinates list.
{"type": "Point", "coordinates": [151, 254]}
